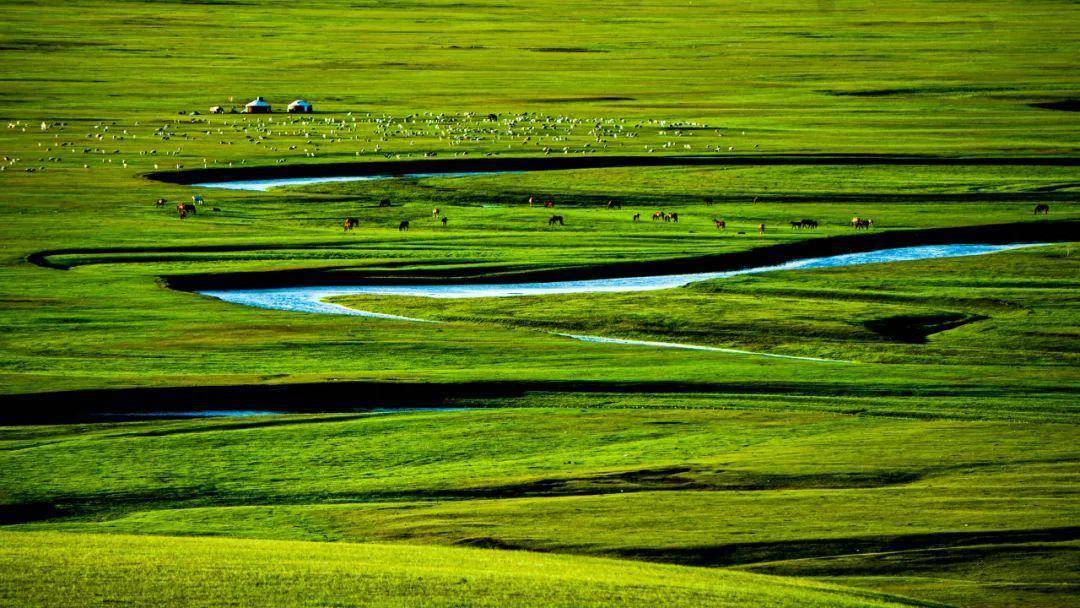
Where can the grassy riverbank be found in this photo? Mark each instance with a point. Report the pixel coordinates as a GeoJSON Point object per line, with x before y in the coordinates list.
{"type": "Point", "coordinates": [936, 465]}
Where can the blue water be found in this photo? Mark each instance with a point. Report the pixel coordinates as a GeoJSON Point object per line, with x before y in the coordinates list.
{"type": "Point", "coordinates": [312, 299]}
{"type": "Point", "coordinates": [262, 185]}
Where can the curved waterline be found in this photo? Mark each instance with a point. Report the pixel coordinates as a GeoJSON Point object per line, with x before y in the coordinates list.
{"type": "Point", "coordinates": [446, 166]}
{"type": "Point", "coordinates": [313, 299]}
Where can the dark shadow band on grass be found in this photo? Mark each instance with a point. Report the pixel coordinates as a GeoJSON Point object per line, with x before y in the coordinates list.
{"type": "Point", "coordinates": [736, 554]}
{"type": "Point", "coordinates": [1023, 232]}
{"type": "Point", "coordinates": [359, 396]}
{"type": "Point", "coordinates": [562, 163]}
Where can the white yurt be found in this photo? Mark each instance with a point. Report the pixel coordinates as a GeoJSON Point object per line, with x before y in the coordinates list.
{"type": "Point", "coordinates": [301, 106]}
{"type": "Point", "coordinates": [259, 106]}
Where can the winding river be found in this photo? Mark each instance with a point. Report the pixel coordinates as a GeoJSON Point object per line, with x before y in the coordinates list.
{"type": "Point", "coordinates": [313, 299]}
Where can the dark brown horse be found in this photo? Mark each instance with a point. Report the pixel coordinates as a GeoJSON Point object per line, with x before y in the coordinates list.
{"type": "Point", "coordinates": [637, 216]}
{"type": "Point", "coordinates": [350, 223]}
{"type": "Point", "coordinates": [183, 209]}
{"type": "Point", "coordinates": [403, 226]}
{"type": "Point", "coordinates": [720, 224]}
{"type": "Point", "coordinates": [1042, 209]}
{"type": "Point", "coordinates": [556, 219]}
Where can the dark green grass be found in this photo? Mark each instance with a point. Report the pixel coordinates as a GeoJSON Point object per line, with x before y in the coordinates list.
{"type": "Point", "coordinates": [959, 489]}
{"type": "Point", "coordinates": [698, 487]}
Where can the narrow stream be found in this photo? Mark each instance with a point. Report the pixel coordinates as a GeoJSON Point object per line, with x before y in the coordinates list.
{"type": "Point", "coordinates": [312, 299]}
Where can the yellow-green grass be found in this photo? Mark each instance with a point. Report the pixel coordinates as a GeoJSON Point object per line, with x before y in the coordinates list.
{"type": "Point", "coordinates": [959, 489]}
{"type": "Point", "coordinates": [700, 487]}
{"type": "Point", "coordinates": [51, 569]}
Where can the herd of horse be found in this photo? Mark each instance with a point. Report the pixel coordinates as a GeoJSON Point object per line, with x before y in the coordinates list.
{"type": "Point", "coordinates": [184, 209]}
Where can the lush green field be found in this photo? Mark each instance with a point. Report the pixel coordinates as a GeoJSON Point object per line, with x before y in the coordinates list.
{"type": "Point", "coordinates": [700, 487]}
{"type": "Point", "coordinates": [95, 571]}
{"type": "Point", "coordinates": [935, 463]}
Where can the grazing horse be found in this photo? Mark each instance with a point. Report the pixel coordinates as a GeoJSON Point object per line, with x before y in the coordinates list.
{"type": "Point", "coordinates": [796, 225]}
{"type": "Point", "coordinates": [674, 217]}
{"type": "Point", "coordinates": [809, 223]}
{"type": "Point", "coordinates": [384, 202]}
{"type": "Point", "coordinates": [761, 228]}
{"type": "Point", "coordinates": [613, 205]}
{"type": "Point", "coordinates": [444, 220]}
{"type": "Point", "coordinates": [403, 226]}
{"type": "Point", "coordinates": [720, 224]}
{"type": "Point", "coordinates": [182, 209]}
{"type": "Point", "coordinates": [556, 219]}
{"type": "Point", "coordinates": [637, 216]}
{"type": "Point", "coordinates": [350, 223]}
{"type": "Point", "coordinates": [659, 215]}
{"type": "Point", "coordinates": [861, 224]}
{"type": "Point", "coordinates": [161, 202]}
{"type": "Point", "coordinates": [1042, 209]}
{"type": "Point", "coordinates": [435, 212]}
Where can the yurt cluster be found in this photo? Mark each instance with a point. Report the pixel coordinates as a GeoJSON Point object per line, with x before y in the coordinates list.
{"type": "Point", "coordinates": [261, 106]}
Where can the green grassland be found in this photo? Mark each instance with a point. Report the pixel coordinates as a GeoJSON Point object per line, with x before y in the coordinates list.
{"type": "Point", "coordinates": [933, 463]}
{"type": "Point", "coordinates": [697, 487]}
{"type": "Point", "coordinates": [188, 572]}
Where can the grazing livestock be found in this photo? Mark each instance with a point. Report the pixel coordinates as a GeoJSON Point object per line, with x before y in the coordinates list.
{"type": "Point", "coordinates": [435, 212]}
{"type": "Point", "coordinates": [444, 220]}
{"type": "Point", "coordinates": [674, 217]}
{"type": "Point", "coordinates": [183, 209]}
{"type": "Point", "coordinates": [720, 224]}
{"type": "Point", "coordinates": [637, 216]}
{"type": "Point", "coordinates": [403, 226]}
{"type": "Point", "coordinates": [161, 202]}
{"type": "Point", "coordinates": [556, 219]}
{"type": "Point", "coordinates": [805, 223]}
{"type": "Point", "coordinates": [659, 215]}
{"type": "Point", "coordinates": [1042, 209]}
{"type": "Point", "coordinates": [350, 223]}
{"type": "Point", "coordinates": [863, 224]}
{"type": "Point", "coordinates": [384, 202]}
{"type": "Point", "coordinates": [761, 228]}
